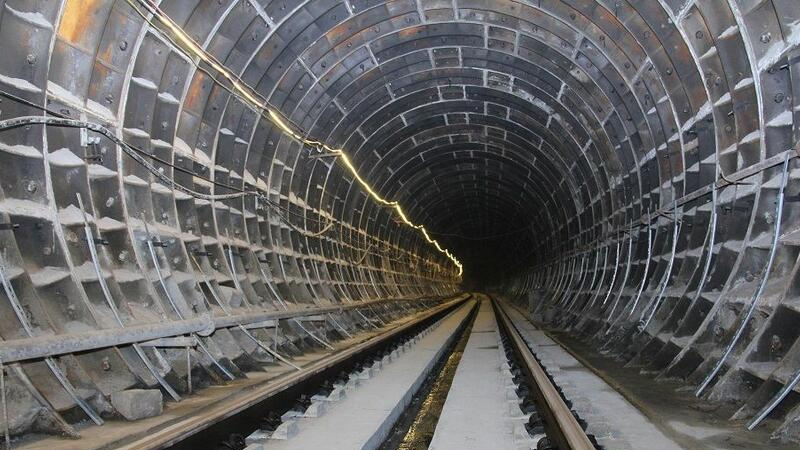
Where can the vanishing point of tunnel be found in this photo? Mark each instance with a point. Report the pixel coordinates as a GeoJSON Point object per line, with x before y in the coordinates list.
{"type": "Point", "coordinates": [404, 224]}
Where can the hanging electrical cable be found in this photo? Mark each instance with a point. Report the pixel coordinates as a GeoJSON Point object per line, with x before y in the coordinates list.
{"type": "Point", "coordinates": [138, 155]}
{"type": "Point", "coordinates": [241, 90]}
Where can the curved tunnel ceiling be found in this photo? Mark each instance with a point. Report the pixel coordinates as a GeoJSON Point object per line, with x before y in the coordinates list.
{"type": "Point", "coordinates": [548, 143]}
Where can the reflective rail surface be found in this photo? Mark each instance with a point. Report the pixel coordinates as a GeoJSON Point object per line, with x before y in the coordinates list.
{"type": "Point", "coordinates": [194, 424]}
{"type": "Point", "coordinates": [563, 427]}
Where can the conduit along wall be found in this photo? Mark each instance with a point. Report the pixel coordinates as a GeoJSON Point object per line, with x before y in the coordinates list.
{"type": "Point", "coordinates": [624, 169]}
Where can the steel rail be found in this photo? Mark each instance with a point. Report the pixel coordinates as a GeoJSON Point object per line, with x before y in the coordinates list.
{"type": "Point", "coordinates": [182, 429]}
{"type": "Point", "coordinates": [564, 430]}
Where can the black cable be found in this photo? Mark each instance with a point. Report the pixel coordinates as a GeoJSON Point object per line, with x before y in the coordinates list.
{"type": "Point", "coordinates": [156, 158]}
{"type": "Point", "coordinates": [138, 155]}
{"type": "Point", "coordinates": [156, 11]}
{"type": "Point", "coordinates": [134, 148]}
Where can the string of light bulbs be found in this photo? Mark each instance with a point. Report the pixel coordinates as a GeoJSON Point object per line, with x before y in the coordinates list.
{"type": "Point", "coordinates": [247, 94]}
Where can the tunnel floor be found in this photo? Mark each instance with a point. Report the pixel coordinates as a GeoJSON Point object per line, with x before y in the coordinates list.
{"type": "Point", "coordinates": [692, 423]}
{"type": "Point", "coordinates": [449, 385]}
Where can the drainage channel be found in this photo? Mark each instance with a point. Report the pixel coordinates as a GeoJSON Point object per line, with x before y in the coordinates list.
{"type": "Point", "coordinates": [415, 428]}
{"type": "Point", "coordinates": [267, 415]}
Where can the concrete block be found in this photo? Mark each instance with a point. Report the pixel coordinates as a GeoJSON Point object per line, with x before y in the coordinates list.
{"type": "Point", "coordinates": [316, 409]}
{"type": "Point", "coordinates": [511, 392]}
{"type": "Point", "coordinates": [599, 429]}
{"type": "Point", "coordinates": [514, 410]}
{"type": "Point", "coordinates": [582, 405]}
{"type": "Point", "coordinates": [337, 394]}
{"type": "Point", "coordinates": [285, 431]}
{"type": "Point", "coordinates": [615, 444]}
{"type": "Point", "coordinates": [135, 404]}
{"type": "Point", "coordinates": [351, 383]}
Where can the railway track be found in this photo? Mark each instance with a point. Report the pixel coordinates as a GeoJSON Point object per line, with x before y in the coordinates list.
{"type": "Point", "coordinates": [469, 373]}
{"type": "Point", "coordinates": [563, 428]}
{"type": "Point", "coordinates": [412, 391]}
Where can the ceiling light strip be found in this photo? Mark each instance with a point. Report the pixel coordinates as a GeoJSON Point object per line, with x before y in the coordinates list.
{"type": "Point", "coordinates": [249, 95]}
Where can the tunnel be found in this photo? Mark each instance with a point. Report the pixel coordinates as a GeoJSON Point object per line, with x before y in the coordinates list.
{"type": "Point", "coordinates": [194, 190]}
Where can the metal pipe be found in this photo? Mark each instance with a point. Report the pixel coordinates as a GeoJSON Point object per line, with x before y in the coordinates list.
{"type": "Point", "coordinates": [776, 400]}
{"type": "Point", "coordinates": [268, 350]}
{"type": "Point", "coordinates": [574, 301]}
{"type": "Point", "coordinates": [710, 236]}
{"type": "Point", "coordinates": [624, 280]}
{"type": "Point", "coordinates": [45, 346]}
{"type": "Point", "coordinates": [590, 304]}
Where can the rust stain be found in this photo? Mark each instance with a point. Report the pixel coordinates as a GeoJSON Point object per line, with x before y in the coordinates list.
{"type": "Point", "coordinates": [408, 33]}
{"type": "Point", "coordinates": [195, 94]}
{"type": "Point", "coordinates": [77, 19]}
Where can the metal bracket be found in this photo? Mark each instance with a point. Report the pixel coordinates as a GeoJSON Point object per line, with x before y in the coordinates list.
{"type": "Point", "coordinates": [92, 154]}
{"type": "Point", "coordinates": [99, 241]}
{"type": "Point", "coordinates": [157, 243]}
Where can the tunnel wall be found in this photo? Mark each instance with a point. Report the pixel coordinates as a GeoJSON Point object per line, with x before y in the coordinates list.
{"type": "Point", "coordinates": [577, 131]}
{"type": "Point", "coordinates": [696, 276]}
{"type": "Point", "coordinates": [200, 261]}
{"type": "Point", "coordinates": [694, 273]}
